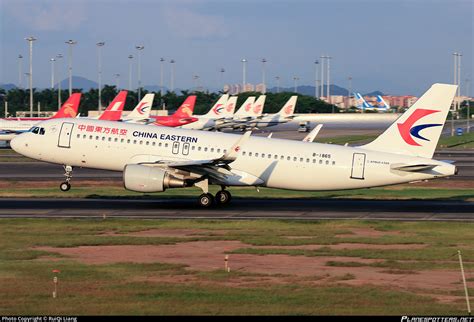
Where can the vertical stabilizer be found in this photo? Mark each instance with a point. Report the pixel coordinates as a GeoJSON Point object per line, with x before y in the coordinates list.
{"type": "Point", "coordinates": [70, 107]}
{"type": "Point", "coordinates": [143, 108]}
{"type": "Point", "coordinates": [218, 109]}
{"type": "Point", "coordinates": [113, 112]}
{"type": "Point", "coordinates": [417, 131]}
{"type": "Point", "coordinates": [186, 109]}
{"type": "Point", "coordinates": [289, 108]}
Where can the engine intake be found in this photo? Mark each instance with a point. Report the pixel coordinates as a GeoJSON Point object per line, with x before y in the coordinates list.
{"type": "Point", "coordinates": [143, 178]}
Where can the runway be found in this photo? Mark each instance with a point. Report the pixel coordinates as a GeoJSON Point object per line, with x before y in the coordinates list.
{"type": "Point", "coordinates": [294, 209]}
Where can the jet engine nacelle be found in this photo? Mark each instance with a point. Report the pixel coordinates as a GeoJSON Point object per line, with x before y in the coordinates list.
{"type": "Point", "coordinates": [143, 178]}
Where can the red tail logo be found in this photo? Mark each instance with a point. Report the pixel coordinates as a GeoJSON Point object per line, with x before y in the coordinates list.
{"type": "Point", "coordinates": [407, 130]}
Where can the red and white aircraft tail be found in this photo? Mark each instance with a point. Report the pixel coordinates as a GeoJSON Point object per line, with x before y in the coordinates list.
{"type": "Point", "coordinates": [70, 107]}
{"type": "Point", "coordinates": [186, 109]}
{"type": "Point", "coordinates": [113, 112]}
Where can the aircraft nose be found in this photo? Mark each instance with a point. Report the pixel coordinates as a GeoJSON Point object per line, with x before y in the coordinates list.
{"type": "Point", "coordinates": [18, 144]}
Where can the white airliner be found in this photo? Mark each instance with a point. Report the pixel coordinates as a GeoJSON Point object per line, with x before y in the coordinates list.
{"type": "Point", "coordinates": [157, 158]}
{"type": "Point", "coordinates": [222, 110]}
{"type": "Point", "coordinates": [283, 116]}
{"type": "Point", "coordinates": [249, 112]}
{"type": "Point", "coordinates": [363, 105]}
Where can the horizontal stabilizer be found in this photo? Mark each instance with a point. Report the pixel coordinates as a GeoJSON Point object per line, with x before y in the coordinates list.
{"type": "Point", "coordinates": [412, 167]}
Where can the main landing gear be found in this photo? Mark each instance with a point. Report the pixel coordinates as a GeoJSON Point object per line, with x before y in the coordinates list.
{"type": "Point", "coordinates": [65, 186]}
{"type": "Point", "coordinates": [222, 197]}
{"type": "Point", "coordinates": [206, 200]}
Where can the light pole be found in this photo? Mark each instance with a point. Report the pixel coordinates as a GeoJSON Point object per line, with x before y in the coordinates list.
{"type": "Point", "coordinates": [30, 41]}
{"type": "Point", "coordinates": [70, 42]}
{"type": "Point", "coordinates": [263, 75]}
{"type": "Point", "coordinates": [278, 83]}
{"type": "Point", "coordinates": [455, 56]}
{"type": "Point", "coordinates": [139, 48]}
{"type": "Point", "coordinates": [172, 61]}
{"type": "Point", "coordinates": [28, 79]}
{"type": "Point", "coordinates": [244, 61]}
{"type": "Point", "coordinates": [130, 57]}
{"type": "Point", "coordinates": [459, 81]}
{"type": "Point", "coordinates": [20, 59]}
{"type": "Point", "coordinates": [467, 82]}
{"type": "Point", "coordinates": [99, 68]}
{"type": "Point", "coordinates": [349, 92]}
{"type": "Point", "coordinates": [117, 80]}
{"type": "Point", "coordinates": [196, 79]}
{"type": "Point", "coordinates": [222, 71]}
{"type": "Point", "coordinates": [296, 85]}
{"type": "Point", "coordinates": [52, 60]}
{"type": "Point", "coordinates": [316, 64]}
{"type": "Point", "coordinates": [328, 82]}
{"type": "Point", "coordinates": [322, 58]}
{"type": "Point", "coordinates": [59, 56]}
{"type": "Point", "coordinates": [162, 60]}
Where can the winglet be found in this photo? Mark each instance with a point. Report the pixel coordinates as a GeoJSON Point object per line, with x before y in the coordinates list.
{"type": "Point", "coordinates": [312, 135]}
{"type": "Point", "coordinates": [231, 155]}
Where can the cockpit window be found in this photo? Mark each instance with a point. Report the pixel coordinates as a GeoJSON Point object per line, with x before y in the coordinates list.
{"type": "Point", "coordinates": [38, 130]}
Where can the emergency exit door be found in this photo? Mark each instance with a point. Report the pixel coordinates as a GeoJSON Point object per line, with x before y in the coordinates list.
{"type": "Point", "coordinates": [358, 166]}
{"type": "Point", "coordinates": [64, 140]}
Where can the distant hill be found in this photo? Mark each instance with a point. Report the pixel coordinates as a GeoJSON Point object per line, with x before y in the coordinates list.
{"type": "Point", "coordinates": [310, 90]}
{"type": "Point", "coordinates": [78, 82]}
{"type": "Point", "coordinates": [374, 93]}
{"type": "Point", "coordinates": [7, 87]}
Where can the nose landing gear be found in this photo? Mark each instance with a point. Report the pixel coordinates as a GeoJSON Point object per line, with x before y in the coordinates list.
{"type": "Point", "coordinates": [65, 186]}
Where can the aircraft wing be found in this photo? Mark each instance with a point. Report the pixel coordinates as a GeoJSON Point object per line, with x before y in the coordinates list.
{"type": "Point", "coordinates": [214, 168]}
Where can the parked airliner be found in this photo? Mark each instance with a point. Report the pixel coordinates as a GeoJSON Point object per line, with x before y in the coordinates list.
{"type": "Point", "coordinates": [221, 111]}
{"type": "Point", "coordinates": [153, 159]}
{"type": "Point", "coordinates": [10, 127]}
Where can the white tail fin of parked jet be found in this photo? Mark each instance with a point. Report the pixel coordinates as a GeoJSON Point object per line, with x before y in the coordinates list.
{"type": "Point", "coordinates": [257, 107]}
{"type": "Point", "coordinates": [289, 108]}
{"type": "Point", "coordinates": [142, 110]}
{"type": "Point", "coordinates": [218, 109]}
{"type": "Point", "coordinates": [230, 107]}
{"type": "Point", "coordinates": [244, 110]}
{"type": "Point", "coordinates": [417, 131]}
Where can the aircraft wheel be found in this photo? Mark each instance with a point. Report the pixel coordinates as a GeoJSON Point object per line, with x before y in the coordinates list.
{"type": "Point", "coordinates": [206, 200]}
{"type": "Point", "coordinates": [65, 186]}
{"type": "Point", "coordinates": [223, 197]}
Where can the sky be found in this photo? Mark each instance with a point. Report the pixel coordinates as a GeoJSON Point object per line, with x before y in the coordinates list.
{"type": "Point", "coordinates": [399, 47]}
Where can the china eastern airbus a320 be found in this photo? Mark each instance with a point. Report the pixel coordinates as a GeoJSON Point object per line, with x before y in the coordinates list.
{"type": "Point", "coordinates": [153, 158]}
